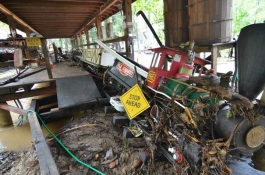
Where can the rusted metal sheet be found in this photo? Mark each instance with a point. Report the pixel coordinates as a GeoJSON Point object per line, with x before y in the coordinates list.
{"type": "Point", "coordinates": [176, 22]}
{"type": "Point", "coordinates": [210, 21]}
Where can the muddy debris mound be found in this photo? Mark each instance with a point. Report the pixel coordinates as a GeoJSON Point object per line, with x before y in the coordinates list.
{"type": "Point", "coordinates": [6, 159]}
{"type": "Point", "coordinates": [19, 163]}
{"type": "Point", "coordinates": [95, 141]}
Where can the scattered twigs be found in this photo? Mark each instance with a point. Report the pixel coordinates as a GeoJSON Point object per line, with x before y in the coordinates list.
{"type": "Point", "coordinates": [82, 126]}
{"type": "Point", "coordinates": [109, 161]}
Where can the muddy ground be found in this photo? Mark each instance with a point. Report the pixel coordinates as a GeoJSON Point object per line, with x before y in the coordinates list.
{"type": "Point", "coordinates": [89, 140]}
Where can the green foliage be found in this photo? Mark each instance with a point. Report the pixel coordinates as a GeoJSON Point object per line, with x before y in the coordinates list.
{"type": "Point", "coordinates": [3, 26]}
{"type": "Point", "coordinates": [92, 34]}
{"type": "Point", "coordinates": [117, 20]}
{"type": "Point", "coordinates": [247, 12]}
{"type": "Point", "coordinates": [154, 11]}
{"type": "Point", "coordinates": [229, 114]}
{"type": "Point", "coordinates": [60, 43]}
{"type": "Point", "coordinates": [152, 8]}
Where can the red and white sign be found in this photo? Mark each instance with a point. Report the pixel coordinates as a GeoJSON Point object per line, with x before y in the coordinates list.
{"type": "Point", "coordinates": [125, 70]}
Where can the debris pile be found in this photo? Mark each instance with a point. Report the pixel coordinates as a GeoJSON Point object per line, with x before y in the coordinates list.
{"type": "Point", "coordinates": [165, 144]}
{"type": "Point", "coordinates": [24, 162]}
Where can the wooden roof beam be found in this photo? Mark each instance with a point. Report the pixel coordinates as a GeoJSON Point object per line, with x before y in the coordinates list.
{"type": "Point", "coordinates": [50, 4]}
{"type": "Point", "coordinates": [24, 8]}
{"type": "Point", "coordinates": [52, 16]}
{"type": "Point", "coordinates": [51, 1]}
{"type": "Point", "coordinates": [108, 4]}
{"type": "Point", "coordinates": [55, 10]}
{"type": "Point", "coordinates": [16, 18]}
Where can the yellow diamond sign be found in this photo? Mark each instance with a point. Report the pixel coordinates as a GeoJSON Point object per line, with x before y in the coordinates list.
{"type": "Point", "coordinates": [33, 41]}
{"type": "Point", "coordinates": [134, 101]}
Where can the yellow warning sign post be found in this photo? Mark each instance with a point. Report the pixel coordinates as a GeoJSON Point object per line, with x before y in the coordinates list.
{"type": "Point", "coordinates": [34, 41]}
{"type": "Point", "coordinates": [134, 101]}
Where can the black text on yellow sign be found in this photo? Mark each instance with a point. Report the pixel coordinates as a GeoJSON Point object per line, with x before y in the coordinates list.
{"type": "Point", "coordinates": [33, 41]}
{"type": "Point", "coordinates": [134, 101]}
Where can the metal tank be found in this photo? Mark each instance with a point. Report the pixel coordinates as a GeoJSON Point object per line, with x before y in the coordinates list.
{"type": "Point", "coordinates": [247, 136]}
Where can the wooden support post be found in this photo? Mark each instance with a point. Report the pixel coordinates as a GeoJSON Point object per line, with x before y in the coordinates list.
{"type": "Point", "coordinates": [11, 23]}
{"type": "Point", "coordinates": [98, 25]}
{"type": "Point", "coordinates": [66, 43]}
{"type": "Point", "coordinates": [73, 43]}
{"type": "Point", "coordinates": [87, 37]}
{"type": "Point", "coordinates": [103, 30]}
{"type": "Point", "coordinates": [46, 57]}
{"type": "Point", "coordinates": [27, 31]}
{"type": "Point", "coordinates": [76, 41]}
{"type": "Point", "coordinates": [214, 58]}
{"type": "Point", "coordinates": [55, 51]}
{"type": "Point", "coordinates": [109, 29]}
{"type": "Point", "coordinates": [127, 10]}
{"type": "Point", "coordinates": [5, 117]}
{"type": "Point", "coordinates": [61, 43]}
{"type": "Point", "coordinates": [81, 39]}
{"type": "Point", "coordinates": [46, 161]}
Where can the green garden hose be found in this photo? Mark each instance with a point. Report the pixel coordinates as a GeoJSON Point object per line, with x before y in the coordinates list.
{"type": "Point", "coordinates": [64, 147]}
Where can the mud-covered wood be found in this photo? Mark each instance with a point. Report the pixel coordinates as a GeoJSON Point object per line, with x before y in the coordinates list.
{"type": "Point", "coordinates": [46, 161]}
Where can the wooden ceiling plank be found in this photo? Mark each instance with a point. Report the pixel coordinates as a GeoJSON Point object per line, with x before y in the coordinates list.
{"type": "Point", "coordinates": [52, 8]}
{"type": "Point", "coordinates": [51, 16]}
{"type": "Point", "coordinates": [51, 1]}
{"type": "Point", "coordinates": [61, 17]}
{"type": "Point", "coordinates": [108, 4]}
{"type": "Point", "coordinates": [6, 11]}
{"type": "Point", "coordinates": [69, 10]}
{"type": "Point", "coordinates": [51, 4]}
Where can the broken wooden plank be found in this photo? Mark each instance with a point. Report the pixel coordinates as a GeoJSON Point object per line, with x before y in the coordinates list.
{"type": "Point", "coordinates": [32, 93]}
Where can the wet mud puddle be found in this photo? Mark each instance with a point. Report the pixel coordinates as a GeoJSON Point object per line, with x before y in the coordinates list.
{"type": "Point", "coordinates": [19, 138]}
